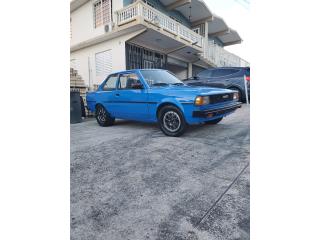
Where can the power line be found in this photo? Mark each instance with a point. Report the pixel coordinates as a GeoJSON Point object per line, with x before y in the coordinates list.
{"type": "Point", "coordinates": [243, 3]}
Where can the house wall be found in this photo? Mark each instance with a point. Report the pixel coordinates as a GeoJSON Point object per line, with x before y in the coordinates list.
{"type": "Point", "coordinates": [82, 22]}
{"type": "Point", "coordinates": [84, 59]}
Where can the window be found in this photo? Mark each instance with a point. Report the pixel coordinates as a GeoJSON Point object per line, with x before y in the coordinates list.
{"type": "Point", "coordinates": [205, 73]}
{"type": "Point", "coordinates": [127, 80]}
{"type": "Point", "coordinates": [223, 72]}
{"type": "Point", "coordinates": [111, 82]}
{"type": "Point", "coordinates": [196, 30]}
{"type": "Point", "coordinates": [102, 12]}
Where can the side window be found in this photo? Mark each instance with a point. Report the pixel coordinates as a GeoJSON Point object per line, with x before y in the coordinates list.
{"type": "Point", "coordinates": [127, 80]}
{"type": "Point", "coordinates": [110, 83]}
{"type": "Point", "coordinates": [205, 73]}
{"type": "Point", "coordinates": [224, 72]}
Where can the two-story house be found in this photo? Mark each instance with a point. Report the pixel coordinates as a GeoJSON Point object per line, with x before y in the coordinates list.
{"type": "Point", "coordinates": [183, 36]}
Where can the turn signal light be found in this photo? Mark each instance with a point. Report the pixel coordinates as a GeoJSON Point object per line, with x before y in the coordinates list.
{"type": "Point", "coordinates": [201, 100]}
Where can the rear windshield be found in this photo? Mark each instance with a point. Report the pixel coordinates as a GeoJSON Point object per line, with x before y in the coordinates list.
{"type": "Point", "coordinates": [224, 72]}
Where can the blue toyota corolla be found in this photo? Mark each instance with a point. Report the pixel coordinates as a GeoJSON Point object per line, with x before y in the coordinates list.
{"type": "Point", "coordinates": [154, 95]}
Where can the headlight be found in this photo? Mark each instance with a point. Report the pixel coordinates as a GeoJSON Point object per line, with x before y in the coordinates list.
{"type": "Point", "coordinates": [201, 100]}
{"type": "Point", "coordinates": [236, 96]}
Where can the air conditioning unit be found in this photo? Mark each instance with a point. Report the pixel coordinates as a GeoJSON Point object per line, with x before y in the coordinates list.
{"type": "Point", "coordinates": [109, 27]}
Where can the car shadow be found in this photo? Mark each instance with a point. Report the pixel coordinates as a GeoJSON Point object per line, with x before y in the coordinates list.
{"type": "Point", "coordinates": [192, 129]}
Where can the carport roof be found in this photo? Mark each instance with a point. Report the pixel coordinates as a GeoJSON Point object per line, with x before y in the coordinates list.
{"type": "Point", "coordinates": [230, 38]}
{"type": "Point", "coordinates": [198, 11]}
{"type": "Point", "coordinates": [217, 26]}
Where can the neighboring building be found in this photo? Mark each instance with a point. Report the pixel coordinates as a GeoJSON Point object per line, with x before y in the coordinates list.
{"type": "Point", "coordinates": [183, 36]}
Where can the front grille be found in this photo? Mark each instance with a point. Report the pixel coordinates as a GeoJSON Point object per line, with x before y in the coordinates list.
{"type": "Point", "coordinates": [221, 98]}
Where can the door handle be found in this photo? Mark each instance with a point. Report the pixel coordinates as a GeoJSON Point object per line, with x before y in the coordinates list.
{"type": "Point", "coordinates": [117, 94]}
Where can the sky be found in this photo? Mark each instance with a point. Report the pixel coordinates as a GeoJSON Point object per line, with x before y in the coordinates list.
{"type": "Point", "coordinates": [236, 14]}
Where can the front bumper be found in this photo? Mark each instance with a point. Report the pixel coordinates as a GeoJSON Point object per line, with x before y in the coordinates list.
{"type": "Point", "coordinates": [217, 111]}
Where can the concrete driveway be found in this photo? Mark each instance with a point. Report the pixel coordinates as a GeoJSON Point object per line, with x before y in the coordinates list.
{"type": "Point", "coordinates": [130, 181]}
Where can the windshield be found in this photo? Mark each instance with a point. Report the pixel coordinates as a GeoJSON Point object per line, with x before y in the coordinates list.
{"type": "Point", "coordinates": [160, 78]}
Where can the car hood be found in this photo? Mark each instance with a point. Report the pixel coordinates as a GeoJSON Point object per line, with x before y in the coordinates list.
{"type": "Point", "coordinates": [187, 93]}
{"type": "Point", "coordinates": [202, 91]}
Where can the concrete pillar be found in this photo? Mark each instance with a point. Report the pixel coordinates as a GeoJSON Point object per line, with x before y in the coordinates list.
{"type": "Point", "coordinates": [189, 70]}
{"type": "Point", "coordinates": [206, 38]}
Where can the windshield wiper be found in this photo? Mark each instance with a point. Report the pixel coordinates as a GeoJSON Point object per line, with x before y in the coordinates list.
{"type": "Point", "coordinates": [178, 84]}
{"type": "Point", "coordinates": [160, 84]}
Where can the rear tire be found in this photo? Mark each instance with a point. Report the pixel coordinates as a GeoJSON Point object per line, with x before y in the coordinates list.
{"type": "Point", "coordinates": [171, 121]}
{"type": "Point", "coordinates": [215, 121]}
{"type": "Point", "coordinates": [103, 117]}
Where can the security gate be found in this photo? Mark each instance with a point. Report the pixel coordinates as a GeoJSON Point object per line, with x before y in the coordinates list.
{"type": "Point", "coordinates": [138, 57]}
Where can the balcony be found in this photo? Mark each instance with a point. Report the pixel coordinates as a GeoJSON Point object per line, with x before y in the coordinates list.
{"type": "Point", "coordinates": [220, 57]}
{"type": "Point", "coordinates": [156, 18]}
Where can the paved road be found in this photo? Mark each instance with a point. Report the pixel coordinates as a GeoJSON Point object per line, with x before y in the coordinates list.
{"type": "Point", "coordinates": [129, 181]}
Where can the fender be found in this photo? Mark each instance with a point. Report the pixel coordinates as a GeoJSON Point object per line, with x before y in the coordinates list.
{"type": "Point", "coordinates": [236, 86]}
{"type": "Point", "coordinates": [170, 101]}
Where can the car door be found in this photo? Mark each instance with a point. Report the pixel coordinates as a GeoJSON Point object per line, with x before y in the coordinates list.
{"type": "Point", "coordinates": [106, 93]}
{"type": "Point", "coordinates": [131, 103]}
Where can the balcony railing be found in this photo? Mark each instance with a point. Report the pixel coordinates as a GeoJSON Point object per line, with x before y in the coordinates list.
{"type": "Point", "coordinates": [221, 57]}
{"type": "Point", "coordinates": [157, 18]}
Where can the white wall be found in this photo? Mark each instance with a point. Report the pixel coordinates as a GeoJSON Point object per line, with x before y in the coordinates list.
{"type": "Point", "coordinates": [82, 19]}
{"type": "Point", "coordinates": [86, 55]}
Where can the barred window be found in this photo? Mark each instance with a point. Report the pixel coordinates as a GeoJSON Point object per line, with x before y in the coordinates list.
{"type": "Point", "coordinates": [102, 12]}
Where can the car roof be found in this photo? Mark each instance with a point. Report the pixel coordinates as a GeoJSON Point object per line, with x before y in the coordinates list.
{"type": "Point", "coordinates": [226, 68]}
{"type": "Point", "coordinates": [137, 70]}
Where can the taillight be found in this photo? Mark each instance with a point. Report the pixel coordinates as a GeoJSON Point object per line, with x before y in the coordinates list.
{"type": "Point", "coordinates": [248, 78]}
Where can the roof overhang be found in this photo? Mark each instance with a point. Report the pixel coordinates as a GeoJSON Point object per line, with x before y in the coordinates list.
{"type": "Point", "coordinates": [217, 27]}
{"type": "Point", "coordinates": [176, 4]}
{"type": "Point", "coordinates": [230, 38]}
{"type": "Point", "coordinates": [198, 12]}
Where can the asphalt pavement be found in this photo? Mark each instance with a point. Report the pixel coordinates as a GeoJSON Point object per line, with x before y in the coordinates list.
{"type": "Point", "coordinates": [130, 181]}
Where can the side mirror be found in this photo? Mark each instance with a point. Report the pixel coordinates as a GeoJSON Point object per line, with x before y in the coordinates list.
{"type": "Point", "coordinates": [195, 77]}
{"type": "Point", "coordinates": [137, 85]}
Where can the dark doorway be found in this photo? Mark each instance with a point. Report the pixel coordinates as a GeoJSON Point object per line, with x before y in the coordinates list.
{"type": "Point", "coordinates": [139, 57]}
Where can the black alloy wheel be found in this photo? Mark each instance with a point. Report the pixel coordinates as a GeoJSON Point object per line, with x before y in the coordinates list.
{"type": "Point", "coordinates": [171, 121]}
{"type": "Point", "coordinates": [104, 119]}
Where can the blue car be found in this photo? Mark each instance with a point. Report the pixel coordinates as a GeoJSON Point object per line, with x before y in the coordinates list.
{"type": "Point", "coordinates": [154, 95]}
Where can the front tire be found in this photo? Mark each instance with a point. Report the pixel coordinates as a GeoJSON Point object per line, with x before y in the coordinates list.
{"type": "Point", "coordinates": [103, 117]}
{"type": "Point", "coordinates": [171, 121]}
{"type": "Point", "coordinates": [214, 121]}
